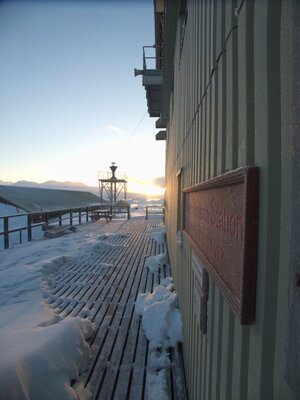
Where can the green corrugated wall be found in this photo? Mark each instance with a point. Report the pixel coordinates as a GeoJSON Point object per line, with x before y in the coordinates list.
{"type": "Point", "coordinates": [229, 108]}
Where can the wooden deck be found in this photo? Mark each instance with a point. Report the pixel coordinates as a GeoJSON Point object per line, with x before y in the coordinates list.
{"type": "Point", "coordinates": [103, 288]}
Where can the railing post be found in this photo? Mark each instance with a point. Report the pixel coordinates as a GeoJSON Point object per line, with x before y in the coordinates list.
{"type": "Point", "coordinates": [20, 239]}
{"type": "Point", "coordinates": [6, 234]}
{"type": "Point", "coordinates": [144, 59]}
{"type": "Point", "coordinates": [71, 219]}
{"type": "Point", "coordinates": [128, 212]}
{"type": "Point", "coordinates": [79, 218]}
{"type": "Point", "coordinates": [87, 214]}
{"type": "Point", "coordinates": [59, 219]}
{"type": "Point", "coordinates": [146, 212]}
{"type": "Point", "coordinates": [46, 218]}
{"type": "Point", "coordinates": [29, 229]}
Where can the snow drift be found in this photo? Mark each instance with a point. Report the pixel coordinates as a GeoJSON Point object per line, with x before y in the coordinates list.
{"type": "Point", "coordinates": [43, 354]}
{"type": "Point", "coordinates": [161, 322]}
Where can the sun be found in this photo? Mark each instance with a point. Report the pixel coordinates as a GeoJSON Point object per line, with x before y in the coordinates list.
{"type": "Point", "coordinates": [146, 188]}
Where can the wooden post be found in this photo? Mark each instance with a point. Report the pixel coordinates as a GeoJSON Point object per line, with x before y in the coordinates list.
{"type": "Point", "coordinates": [59, 219]}
{"type": "Point", "coordinates": [128, 212]}
{"type": "Point", "coordinates": [87, 214]}
{"type": "Point", "coordinates": [6, 237]}
{"type": "Point", "coordinates": [79, 220]}
{"type": "Point", "coordinates": [71, 219]}
{"type": "Point", "coordinates": [29, 228]}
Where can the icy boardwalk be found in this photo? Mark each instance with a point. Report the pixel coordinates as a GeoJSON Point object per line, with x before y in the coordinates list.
{"type": "Point", "coordinates": [107, 284]}
{"type": "Point", "coordinates": [102, 287]}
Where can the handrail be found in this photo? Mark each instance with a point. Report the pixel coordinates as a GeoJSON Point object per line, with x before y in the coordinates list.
{"type": "Point", "coordinates": [149, 57]}
{"type": "Point", "coordinates": [155, 212]}
{"type": "Point", "coordinates": [42, 218]}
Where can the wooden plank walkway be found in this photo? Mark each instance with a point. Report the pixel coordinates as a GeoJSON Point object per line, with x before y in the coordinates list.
{"type": "Point", "coordinates": [103, 288]}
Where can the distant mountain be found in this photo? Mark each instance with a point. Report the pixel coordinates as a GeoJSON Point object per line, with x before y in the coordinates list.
{"type": "Point", "coordinates": [59, 185]}
{"type": "Point", "coordinates": [132, 197]}
{"type": "Point", "coordinates": [49, 184]}
{"type": "Point", "coordinates": [5, 183]}
{"type": "Point", "coordinates": [26, 184]}
{"type": "Point", "coordinates": [67, 183]}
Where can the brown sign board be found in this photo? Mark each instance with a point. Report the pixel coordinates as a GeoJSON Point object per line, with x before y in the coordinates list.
{"type": "Point", "coordinates": [221, 223]}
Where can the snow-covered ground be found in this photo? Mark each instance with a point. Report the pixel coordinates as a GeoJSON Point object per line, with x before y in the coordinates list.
{"type": "Point", "coordinates": [42, 354]}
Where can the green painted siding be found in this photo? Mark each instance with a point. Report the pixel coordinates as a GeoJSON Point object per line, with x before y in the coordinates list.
{"type": "Point", "coordinates": [229, 108]}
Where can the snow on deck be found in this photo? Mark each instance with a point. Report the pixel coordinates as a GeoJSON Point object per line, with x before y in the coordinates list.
{"type": "Point", "coordinates": [69, 323]}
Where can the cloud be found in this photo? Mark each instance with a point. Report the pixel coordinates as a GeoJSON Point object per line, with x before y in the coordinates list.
{"type": "Point", "coordinates": [159, 181]}
{"type": "Point", "coordinates": [139, 181]}
{"type": "Point", "coordinates": [114, 128]}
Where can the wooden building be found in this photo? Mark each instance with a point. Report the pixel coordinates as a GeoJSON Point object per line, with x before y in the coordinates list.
{"type": "Point", "coordinates": [229, 100]}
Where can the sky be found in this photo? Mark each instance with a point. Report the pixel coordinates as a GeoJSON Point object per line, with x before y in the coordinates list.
{"type": "Point", "coordinates": [69, 102]}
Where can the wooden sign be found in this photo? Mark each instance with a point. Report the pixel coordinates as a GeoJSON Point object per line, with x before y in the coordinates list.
{"type": "Point", "coordinates": [221, 222]}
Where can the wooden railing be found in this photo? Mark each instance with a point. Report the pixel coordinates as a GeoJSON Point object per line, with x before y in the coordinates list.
{"type": "Point", "coordinates": [55, 217]}
{"type": "Point", "coordinates": [115, 210]}
{"type": "Point", "coordinates": [154, 210]}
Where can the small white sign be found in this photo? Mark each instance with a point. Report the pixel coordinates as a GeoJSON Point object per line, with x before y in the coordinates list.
{"type": "Point", "coordinates": [200, 292]}
{"type": "Point", "coordinates": [198, 270]}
